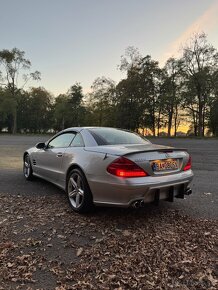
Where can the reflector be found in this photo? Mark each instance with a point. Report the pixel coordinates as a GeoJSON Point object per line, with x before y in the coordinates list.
{"type": "Point", "coordinates": [189, 164]}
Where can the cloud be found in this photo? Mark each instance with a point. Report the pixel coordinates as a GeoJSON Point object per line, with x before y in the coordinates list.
{"type": "Point", "coordinates": [205, 23]}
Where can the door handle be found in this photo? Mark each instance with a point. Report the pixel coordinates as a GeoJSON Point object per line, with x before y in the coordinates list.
{"type": "Point", "coordinates": [59, 154]}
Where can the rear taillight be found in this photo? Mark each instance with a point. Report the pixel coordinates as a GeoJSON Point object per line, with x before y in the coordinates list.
{"type": "Point", "coordinates": [124, 167]}
{"type": "Point", "coordinates": [189, 164]}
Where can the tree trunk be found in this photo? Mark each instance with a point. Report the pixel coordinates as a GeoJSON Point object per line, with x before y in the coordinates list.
{"type": "Point", "coordinates": [195, 123]}
{"type": "Point", "coordinates": [175, 120]}
{"type": "Point", "coordinates": [158, 123]}
{"type": "Point", "coordinates": [158, 130]}
{"type": "Point", "coordinates": [14, 130]}
{"type": "Point", "coordinates": [153, 123]}
{"type": "Point", "coordinates": [63, 123]}
{"type": "Point", "coordinates": [175, 126]}
{"type": "Point", "coordinates": [170, 118]}
{"type": "Point", "coordinates": [200, 116]}
{"type": "Point", "coordinates": [153, 126]}
{"type": "Point", "coordinates": [203, 129]}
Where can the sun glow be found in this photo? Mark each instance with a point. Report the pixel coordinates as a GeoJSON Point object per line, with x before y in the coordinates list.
{"type": "Point", "coordinates": [207, 22]}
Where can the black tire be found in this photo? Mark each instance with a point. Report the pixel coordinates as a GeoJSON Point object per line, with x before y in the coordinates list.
{"type": "Point", "coordinates": [78, 192]}
{"type": "Point", "coordinates": [27, 168]}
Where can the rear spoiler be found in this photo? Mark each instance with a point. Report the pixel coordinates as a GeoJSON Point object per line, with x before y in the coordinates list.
{"type": "Point", "coordinates": [163, 150]}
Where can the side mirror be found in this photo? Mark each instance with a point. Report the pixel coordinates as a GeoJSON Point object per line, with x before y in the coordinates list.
{"type": "Point", "coordinates": [40, 145]}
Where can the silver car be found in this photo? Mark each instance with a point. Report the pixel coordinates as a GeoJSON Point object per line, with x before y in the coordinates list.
{"type": "Point", "coordinates": [108, 166]}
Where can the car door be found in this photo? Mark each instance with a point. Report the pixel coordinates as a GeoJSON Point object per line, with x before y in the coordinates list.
{"type": "Point", "coordinates": [73, 154]}
{"type": "Point", "coordinates": [49, 160]}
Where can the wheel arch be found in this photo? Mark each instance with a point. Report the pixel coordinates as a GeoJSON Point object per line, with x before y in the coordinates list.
{"type": "Point", "coordinates": [24, 154]}
{"type": "Point", "coordinates": [75, 166]}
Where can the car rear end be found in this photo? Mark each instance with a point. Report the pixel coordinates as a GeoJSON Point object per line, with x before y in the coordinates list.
{"type": "Point", "coordinates": [142, 176]}
{"type": "Point", "coordinates": [128, 170]}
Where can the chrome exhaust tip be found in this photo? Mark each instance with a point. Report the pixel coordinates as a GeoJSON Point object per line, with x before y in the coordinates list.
{"type": "Point", "coordinates": [188, 191]}
{"type": "Point", "coordinates": [136, 204]}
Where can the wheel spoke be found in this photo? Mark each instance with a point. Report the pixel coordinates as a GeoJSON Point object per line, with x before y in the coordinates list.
{"type": "Point", "coordinates": [72, 193]}
{"type": "Point", "coordinates": [26, 164]}
{"type": "Point", "coordinates": [78, 182]}
{"type": "Point", "coordinates": [81, 192]}
{"type": "Point", "coordinates": [77, 199]}
{"type": "Point", "coordinates": [73, 183]}
{"type": "Point", "coordinates": [76, 190]}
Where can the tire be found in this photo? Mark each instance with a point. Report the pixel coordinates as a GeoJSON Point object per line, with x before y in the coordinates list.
{"type": "Point", "coordinates": [27, 168]}
{"type": "Point", "coordinates": [78, 192]}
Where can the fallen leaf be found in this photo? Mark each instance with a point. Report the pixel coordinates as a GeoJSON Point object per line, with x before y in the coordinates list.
{"type": "Point", "coordinates": [79, 251]}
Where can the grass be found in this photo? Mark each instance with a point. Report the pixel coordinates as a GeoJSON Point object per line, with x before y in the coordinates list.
{"type": "Point", "coordinates": [11, 157]}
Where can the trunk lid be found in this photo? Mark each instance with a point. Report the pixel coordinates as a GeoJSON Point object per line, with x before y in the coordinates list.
{"type": "Point", "coordinates": [155, 159]}
{"type": "Point", "coordinates": [129, 149]}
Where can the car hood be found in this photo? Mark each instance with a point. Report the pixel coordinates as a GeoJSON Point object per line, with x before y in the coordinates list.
{"type": "Point", "coordinates": [129, 149]}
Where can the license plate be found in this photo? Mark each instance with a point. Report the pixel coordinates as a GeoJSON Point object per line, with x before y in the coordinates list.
{"type": "Point", "coordinates": [164, 165]}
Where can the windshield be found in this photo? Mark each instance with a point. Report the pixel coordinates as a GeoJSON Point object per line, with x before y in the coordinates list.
{"type": "Point", "coordinates": [111, 136]}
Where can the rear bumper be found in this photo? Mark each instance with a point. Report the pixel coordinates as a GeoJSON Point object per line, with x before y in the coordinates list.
{"type": "Point", "coordinates": [124, 192]}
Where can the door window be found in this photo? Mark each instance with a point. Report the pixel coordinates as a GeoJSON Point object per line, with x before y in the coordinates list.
{"type": "Point", "coordinates": [62, 140]}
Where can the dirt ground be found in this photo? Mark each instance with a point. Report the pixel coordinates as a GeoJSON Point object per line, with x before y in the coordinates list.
{"type": "Point", "coordinates": [44, 245]}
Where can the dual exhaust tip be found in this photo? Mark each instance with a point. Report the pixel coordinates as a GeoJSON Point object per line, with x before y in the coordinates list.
{"type": "Point", "coordinates": [188, 191]}
{"type": "Point", "coordinates": [138, 203]}
{"type": "Point", "coordinates": [141, 203]}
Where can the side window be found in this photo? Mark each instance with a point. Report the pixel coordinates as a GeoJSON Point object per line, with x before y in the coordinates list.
{"type": "Point", "coordinates": [62, 140]}
{"type": "Point", "coordinates": [77, 141]}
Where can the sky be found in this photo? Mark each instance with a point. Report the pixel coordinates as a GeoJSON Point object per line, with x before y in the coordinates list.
{"type": "Point", "coordinates": [73, 41]}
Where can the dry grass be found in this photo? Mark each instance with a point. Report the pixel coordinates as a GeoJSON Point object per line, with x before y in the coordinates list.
{"type": "Point", "coordinates": [11, 157]}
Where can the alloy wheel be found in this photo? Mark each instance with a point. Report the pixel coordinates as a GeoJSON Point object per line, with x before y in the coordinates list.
{"type": "Point", "coordinates": [27, 166]}
{"type": "Point", "coordinates": [76, 190]}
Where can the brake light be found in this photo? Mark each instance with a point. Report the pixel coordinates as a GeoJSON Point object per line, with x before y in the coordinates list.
{"type": "Point", "coordinates": [124, 167]}
{"type": "Point", "coordinates": [189, 164]}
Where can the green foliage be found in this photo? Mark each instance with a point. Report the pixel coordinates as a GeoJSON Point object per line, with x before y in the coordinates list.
{"type": "Point", "coordinates": [12, 64]}
{"type": "Point", "coordinates": [199, 61]}
{"type": "Point", "coordinates": [139, 95]}
{"type": "Point", "coordinates": [130, 106]}
{"type": "Point", "coordinates": [101, 103]}
{"type": "Point", "coordinates": [7, 108]}
{"type": "Point", "coordinates": [213, 106]}
{"type": "Point", "coordinates": [213, 118]}
{"type": "Point", "coordinates": [39, 110]}
{"type": "Point", "coordinates": [69, 110]}
{"type": "Point", "coordinates": [148, 97]}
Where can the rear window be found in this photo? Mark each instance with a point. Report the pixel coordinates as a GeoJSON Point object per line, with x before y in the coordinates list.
{"type": "Point", "coordinates": [111, 136]}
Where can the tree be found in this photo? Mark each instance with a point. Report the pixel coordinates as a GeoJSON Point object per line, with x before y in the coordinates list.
{"type": "Point", "coordinates": [129, 100]}
{"type": "Point", "coordinates": [7, 106]}
{"type": "Point", "coordinates": [171, 101]}
{"type": "Point", "coordinates": [101, 102]}
{"type": "Point", "coordinates": [151, 90]}
{"type": "Point", "coordinates": [69, 109]}
{"type": "Point", "coordinates": [13, 63]}
{"type": "Point", "coordinates": [75, 102]}
{"type": "Point", "coordinates": [40, 108]}
{"type": "Point", "coordinates": [61, 112]}
{"type": "Point", "coordinates": [200, 59]}
{"type": "Point", "coordinates": [130, 60]}
{"type": "Point", "coordinates": [213, 118]}
{"type": "Point", "coordinates": [213, 106]}
{"type": "Point", "coordinates": [24, 114]}
{"type": "Point", "coordinates": [129, 103]}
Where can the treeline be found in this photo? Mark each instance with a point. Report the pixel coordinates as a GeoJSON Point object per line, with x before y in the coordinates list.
{"type": "Point", "coordinates": [151, 98]}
